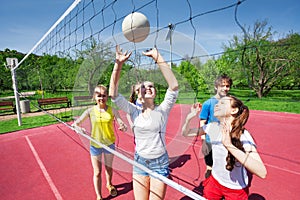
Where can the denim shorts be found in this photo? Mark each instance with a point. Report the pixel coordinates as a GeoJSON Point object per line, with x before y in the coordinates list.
{"type": "Point", "coordinates": [97, 151]}
{"type": "Point", "coordinates": [159, 165]}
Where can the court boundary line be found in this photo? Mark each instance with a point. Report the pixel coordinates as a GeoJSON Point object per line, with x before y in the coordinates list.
{"type": "Point", "coordinates": [44, 170]}
{"type": "Point", "coordinates": [255, 188]}
{"type": "Point", "coordinates": [283, 169]}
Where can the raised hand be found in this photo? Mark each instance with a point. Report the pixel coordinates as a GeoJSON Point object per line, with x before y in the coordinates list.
{"type": "Point", "coordinates": [226, 139]}
{"type": "Point", "coordinates": [120, 56]}
{"type": "Point", "coordinates": [153, 53]}
{"type": "Point", "coordinates": [196, 108]}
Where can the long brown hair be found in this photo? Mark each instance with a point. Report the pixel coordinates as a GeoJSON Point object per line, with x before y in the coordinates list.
{"type": "Point", "coordinates": [133, 95]}
{"type": "Point", "coordinates": [238, 127]}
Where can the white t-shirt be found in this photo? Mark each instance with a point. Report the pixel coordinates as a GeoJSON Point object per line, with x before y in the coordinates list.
{"type": "Point", "coordinates": [237, 178]}
{"type": "Point", "coordinates": [149, 131]}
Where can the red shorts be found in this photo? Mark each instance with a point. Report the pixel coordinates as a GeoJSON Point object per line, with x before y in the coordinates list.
{"type": "Point", "coordinates": [213, 190]}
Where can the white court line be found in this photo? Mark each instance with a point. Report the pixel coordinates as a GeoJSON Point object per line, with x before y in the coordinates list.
{"type": "Point", "coordinates": [43, 168]}
{"type": "Point", "coordinates": [283, 169]}
{"type": "Point", "coordinates": [276, 114]}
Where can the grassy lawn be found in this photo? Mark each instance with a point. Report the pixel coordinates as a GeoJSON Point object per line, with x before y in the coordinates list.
{"type": "Point", "coordinates": [32, 122]}
{"type": "Point", "coordinates": [277, 101]}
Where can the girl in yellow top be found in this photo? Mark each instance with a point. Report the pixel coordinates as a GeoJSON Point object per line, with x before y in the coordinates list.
{"type": "Point", "coordinates": [101, 118]}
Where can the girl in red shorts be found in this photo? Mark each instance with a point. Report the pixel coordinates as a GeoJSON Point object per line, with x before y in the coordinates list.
{"type": "Point", "coordinates": [234, 150]}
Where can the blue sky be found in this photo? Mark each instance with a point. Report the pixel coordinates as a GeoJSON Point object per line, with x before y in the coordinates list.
{"type": "Point", "coordinates": [24, 22]}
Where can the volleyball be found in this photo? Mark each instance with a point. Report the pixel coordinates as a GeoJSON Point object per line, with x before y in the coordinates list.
{"type": "Point", "coordinates": [136, 27]}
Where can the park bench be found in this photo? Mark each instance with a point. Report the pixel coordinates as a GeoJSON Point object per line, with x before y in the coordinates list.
{"type": "Point", "coordinates": [56, 100]}
{"type": "Point", "coordinates": [83, 100]}
{"type": "Point", "coordinates": [7, 105]}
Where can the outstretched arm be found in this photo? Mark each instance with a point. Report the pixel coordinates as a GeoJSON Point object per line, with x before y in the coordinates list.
{"type": "Point", "coordinates": [115, 76]}
{"type": "Point", "coordinates": [77, 123]}
{"type": "Point", "coordinates": [164, 68]}
{"type": "Point", "coordinates": [82, 117]}
{"type": "Point", "coordinates": [186, 130]}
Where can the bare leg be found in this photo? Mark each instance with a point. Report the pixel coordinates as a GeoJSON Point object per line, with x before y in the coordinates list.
{"type": "Point", "coordinates": [157, 189]}
{"type": "Point", "coordinates": [141, 187]}
{"type": "Point", "coordinates": [108, 159]}
{"type": "Point", "coordinates": [97, 167]}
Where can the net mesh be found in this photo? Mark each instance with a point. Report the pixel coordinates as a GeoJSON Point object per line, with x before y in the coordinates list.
{"type": "Point", "coordinates": [77, 54]}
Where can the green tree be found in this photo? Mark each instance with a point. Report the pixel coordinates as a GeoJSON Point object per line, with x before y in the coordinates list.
{"type": "Point", "coordinates": [5, 78]}
{"type": "Point", "coordinates": [96, 65]}
{"type": "Point", "coordinates": [192, 76]}
{"type": "Point", "coordinates": [289, 48]}
{"type": "Point", "coordinates": [261, 60]}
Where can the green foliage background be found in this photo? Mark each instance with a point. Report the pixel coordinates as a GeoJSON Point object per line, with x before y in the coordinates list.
{"type": "Point", "coordinates": [265, 72]}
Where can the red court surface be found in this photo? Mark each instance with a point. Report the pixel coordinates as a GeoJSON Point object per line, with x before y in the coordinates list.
{"type": "Point", "coordinates": [53, 162]}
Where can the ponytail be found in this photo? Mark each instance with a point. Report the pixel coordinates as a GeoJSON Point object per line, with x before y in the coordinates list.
{"type": "Point", "coordinates": [241, 118]}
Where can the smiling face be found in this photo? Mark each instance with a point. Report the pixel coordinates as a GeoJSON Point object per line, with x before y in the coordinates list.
{"type": "Point", "coordinates": [147, 90]}
{"type": "Point", "coordinates": [223, 88]}
{"type": "Point", "coordinates": [100, 95]}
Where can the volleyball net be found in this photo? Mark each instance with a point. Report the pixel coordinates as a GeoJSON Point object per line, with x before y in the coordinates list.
{"type": "Point", "coordinates": [78, 52]}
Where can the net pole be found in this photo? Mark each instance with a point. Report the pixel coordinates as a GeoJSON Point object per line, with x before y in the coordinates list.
{"type": "Point", "coordinates": [167, 181]}
{"type": "Point", "coordinates": [11, 63]}
{"type": "Point", "coordinates": [74, 4]}
{"type": "Point", "coordinates": [17, 97]}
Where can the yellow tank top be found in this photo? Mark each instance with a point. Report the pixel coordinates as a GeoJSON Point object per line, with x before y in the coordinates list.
{"type": "Point", "coordinates": [102, 126]}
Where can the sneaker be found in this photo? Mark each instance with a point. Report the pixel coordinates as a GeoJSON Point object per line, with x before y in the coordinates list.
{"type": "Point", "coordinates": [112, 190]}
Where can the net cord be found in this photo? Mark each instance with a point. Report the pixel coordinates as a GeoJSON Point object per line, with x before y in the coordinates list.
{"type": "Point", "coordinates": [169, 182]}
{"type": "Point", "coordinates": [74, 4]}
